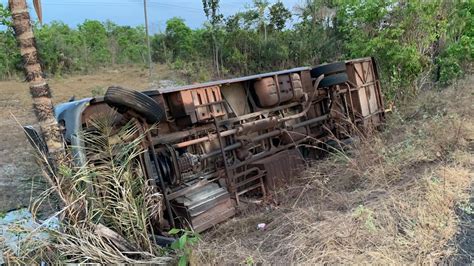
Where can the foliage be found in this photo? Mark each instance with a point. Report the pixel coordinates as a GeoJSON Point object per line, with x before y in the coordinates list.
{"type": "Point", "coordinates": [279, 15]}
{"type": "Point", "coordinates": [414, 42]}
{"type": "Point", "coordinates": [184, 244]}
{"type": "Point", "coordinates": [467, 207]}
{"type": "Point", "coordinates": [109, 208]}
{"type": "Point", "coordinates": [98, 91]}
{"type": "Point", "coordinates": [58, 46]}
{"type": "Point", "coordinates": [117, 191]}
{"type": "Point", "coordinates": [179, 38]}
{"type": "Point", "coordinates": [365, 215]}
{"type": "Point", "coordinates": [126, 44]}
{"type": "Point", "coordinates": [249, 261]}
{"type": "Point", "coordinates": [64, 49]}
{"type": "Point", "coordinates": [9, 55]}
{"type": "Point", "coordinates": [4, 16]}
{"type": "Point", "coordinates": [458, 52]}
{"type": "Point", "coordinates": [211, 9]}
{"type": "Point", "coordinates": [399, 35]}
{"type": "Point", "coordinates": [93, 40]}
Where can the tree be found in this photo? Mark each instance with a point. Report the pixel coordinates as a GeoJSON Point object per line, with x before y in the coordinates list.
{"type": "Point", "coordinates": [94, 42]}
{"type": "Point", "coordinates": [211, 9]}
{"type": "Point", "coordinates": [261, 6]}
{"type": "Point", "coordinates": [4, 16]}
{"type": "Point", "coordinates": [408, 38]}
{"type": "Point", "coordinates": [454, 52]}
{"type": "Point", "coordinates": [126, 44]}
{"type": "Point", "coordinates": [318, 11]}
{"type": "Point", "coordinates": [279, 15]}
{"type": "Point", "coordinates": [232, 23]}
{"type": "Point", "coordinates": [398, 34]}
{"type": "Point", "coordinates": [58, 47]}
{"type": "Point", "coordinates": [39, 88]}
{"type": "Point", "coordinates": [9, 55]}
{"type": "Point", "coordinates": [178, 37]}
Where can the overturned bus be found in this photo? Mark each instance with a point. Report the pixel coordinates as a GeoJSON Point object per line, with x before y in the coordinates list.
{"type": "Point", "coordinates": [217, 144]}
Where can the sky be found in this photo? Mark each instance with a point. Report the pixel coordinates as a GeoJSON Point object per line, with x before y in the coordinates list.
{"type": "Point", "coordinates": [130, 12]}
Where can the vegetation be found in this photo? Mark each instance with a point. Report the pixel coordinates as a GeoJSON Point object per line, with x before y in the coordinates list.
{"type": "Point", "coordinates": [107, 206]}
{"type": "Point", "coordinates": [40, 91]}
{"type": "Point", "coordinates": [392, 198]}
{"type": "Point", "coordinates": [183, 244]}
{"type": "Point", "coordinates": [64, 49]}
{"type": "Point", "coordinates": [415, 42]}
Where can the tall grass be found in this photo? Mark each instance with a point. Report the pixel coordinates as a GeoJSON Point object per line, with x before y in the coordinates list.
{"type": "Point", "coordinates": [391, 199]}
{"type": "Point", "coordinates": [108, 206]}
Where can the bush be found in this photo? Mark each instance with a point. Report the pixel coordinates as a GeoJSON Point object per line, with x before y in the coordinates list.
{"type": "Point", "coordinates": [409, 39]}
{"type": "Point", "coordinates": [459, 51]}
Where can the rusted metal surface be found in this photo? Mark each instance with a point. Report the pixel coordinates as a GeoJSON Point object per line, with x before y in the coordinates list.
{"type": "Point", "coordinates": [365, 92]}
{"type": "Point", "coordinates": [205, 206]}
{"type": "Point", "coordinates": [236, 138]}
{"type": "Point", "coordinates": [280, 168]}
{"type": "Point", "coordinates": [197, 105]}
{"type": "Point", "coordinates": [272, 91]}
{"type": "Point", "coordinates": [234, 80]}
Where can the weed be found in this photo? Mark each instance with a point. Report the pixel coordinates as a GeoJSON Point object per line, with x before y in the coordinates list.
{"type": "Point", "coordinates": [467, 207]}
{"type": "Point", "coordinates": [107, 205]}
{"type": "Point", "coordinates": [184, 244]}
{"type": "Point", "coordinates": [97, 91]}
{"type": "Point", "coordinates": [366, 215]}
{"type": "Point", "coordinates": [249, 261]}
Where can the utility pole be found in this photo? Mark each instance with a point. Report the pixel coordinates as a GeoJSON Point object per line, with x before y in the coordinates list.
{"type": "Point", "coordinates": [147, 39]}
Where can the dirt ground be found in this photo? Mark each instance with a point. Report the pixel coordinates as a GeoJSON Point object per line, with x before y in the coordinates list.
{"type": "Point", "coordinates": [17, 166]}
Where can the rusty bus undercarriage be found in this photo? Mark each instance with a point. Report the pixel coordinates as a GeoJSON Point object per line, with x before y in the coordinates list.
{"type": "Point", "coordinates": [222, 142]}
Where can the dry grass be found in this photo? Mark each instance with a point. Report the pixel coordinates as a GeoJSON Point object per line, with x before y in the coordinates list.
{"type": "Point", "coordinates": [392, 199]}
{"type": "Point", "coordinates": [108, 207]}
{"type": "Point", "coordinates": [17, 164]}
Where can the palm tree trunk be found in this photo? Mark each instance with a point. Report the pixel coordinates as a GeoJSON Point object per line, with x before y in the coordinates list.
{"type": "Point", "coordinates": [39, 88]}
